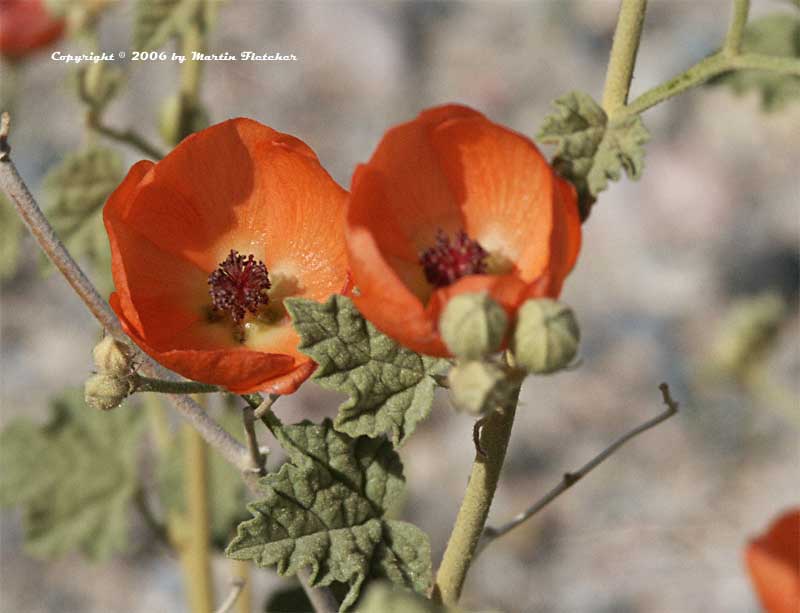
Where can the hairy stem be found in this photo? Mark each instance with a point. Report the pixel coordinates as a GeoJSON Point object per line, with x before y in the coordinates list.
{"type": "Point", "coordinates": [733, 38]}
{"type": "Point", "coordinates": [706, 69]}
{"type": "Point", "coordinates": [241, 573]}
{"type": "Point", "coordinates": [259, 459]}
{"type": "Point", "coordinates": [570, 479]}
{"type": "Point", "coordinates": [489, 458]}
{"type": "Point", "coordinates": [28, 209]}
{"type": "Point", "coordinates": [200, 586]}
{"type": "Point", "coordinates": [149, 384]}
{"type": "Point", "coordinates": [623, 54]}
{"type": "Point", "coordinates": [127, 137]}
{"type": "Point", "coordinates": [193, 39]}
{"type": "Point", "coordinates": [234, 596]}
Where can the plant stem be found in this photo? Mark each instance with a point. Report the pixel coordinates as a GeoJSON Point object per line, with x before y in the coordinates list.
{"type": "Point", "coordinates": [200, 586]}
{"type": "Point", "coordinates": [706, 69]}
{"type": "Point", "coordinates": [733, 38]}
{"type": "Point", "coordinates": [570, 479]}
{"type": "Point", "coordinates": [259, 459]}
{"type": "Point", "coordinates": [28, 209]}
{"type": "Point", "coordinates": [234, 596]}
{"type": "Point", "coordinates": [127, 137]}
{"type": "Point", "coordinates": [623, 54]}
{"type": "Point", "coordinates": [193, 39]}
{"type": "Point", "coordinates": [155, 525]}
{"type": "Point", "coordinates": [458, 555]}
{"type": "Point", "coordinates": [148, 384]}
{"type": "Point", "coordinates": [241, 572]}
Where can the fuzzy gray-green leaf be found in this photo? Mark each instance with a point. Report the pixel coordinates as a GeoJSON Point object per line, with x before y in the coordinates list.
{"type": "Point", "coordinates": [390, 387]}
{"type": "Point", "coordinates": [74, 477]}
{"type": "Point", "coordinates": [590, 149]}
{"type": "Point", "coordinates": [75, 191]}
{"type": "Point", "coordinates": [324, 510]}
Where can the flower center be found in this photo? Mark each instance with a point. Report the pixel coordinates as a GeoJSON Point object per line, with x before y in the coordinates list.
{"type": "Point", "coordinates": [446, 262]}
{"type": "Point", "coordinates": [239, 285]}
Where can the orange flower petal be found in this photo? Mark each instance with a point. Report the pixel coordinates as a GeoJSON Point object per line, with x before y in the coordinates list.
{"type": "Point", "coordinates": [504, 189]}
{"type": "Point", "coordinates": [452, 169]}
{"type": "Point", "coordinates": [371, 244]}
{"type": "Point", "coordinates": [773, 560]}
{"type": "Point", "coordinates": [236, 185]}
{"type": "Point", "coordinates": [418, 198]}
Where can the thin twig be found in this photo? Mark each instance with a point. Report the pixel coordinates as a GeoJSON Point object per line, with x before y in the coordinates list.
{"type": "Point", "coordinates": [158, 528]}
{"type": "Point", "coordinates": [237, 587]}
{"type": "Point", "coordinates": [148, 384]}
{"type": "Point", "coordinates": [570, 479]}
{"type": "Point", "coordinates": [322, 599]}
{"type": "Point", "coordinates": [266, 406]}
{"type": "Point", "coordinates": [17, 191]}
{"type": "Point", "coordinates": [258, 458]}
{"type": "Point", "coordinates": [127, 137]}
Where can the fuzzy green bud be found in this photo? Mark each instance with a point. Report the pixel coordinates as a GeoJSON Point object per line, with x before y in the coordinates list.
{"type": "Point", "coordinates": [105, 391]}
{"type": "Point", "coordinates": [178, 119]}
{"type": "Point", "coordinates": [546, 337]}
{"type": "Point", "coordinates": [473, 325]}
{"type": "Point", "coordinates": [478, 387]}
{"type": "Point", "coordinates": [748, 332]}
{"type": "Point", "coordinates": [112, 357]}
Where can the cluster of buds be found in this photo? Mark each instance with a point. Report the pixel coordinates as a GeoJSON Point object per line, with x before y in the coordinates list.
{"type": "Point", "coordinates": [544, 339]}
{"type": "Point", "coordinates": [114, 379]}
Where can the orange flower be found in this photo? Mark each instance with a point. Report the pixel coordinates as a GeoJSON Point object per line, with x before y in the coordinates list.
{"type": "Point", "coordinates": [208, 242]}
{"type": "Point", "coordinates": [451, 203]}
{"type": "Point", "coordinates": [773, 560]}
{"type": "Point", "coordinates": [25, 26]}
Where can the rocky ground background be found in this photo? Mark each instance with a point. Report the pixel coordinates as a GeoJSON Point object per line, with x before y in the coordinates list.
{"type": "Point", "coordinates": [661, 526]}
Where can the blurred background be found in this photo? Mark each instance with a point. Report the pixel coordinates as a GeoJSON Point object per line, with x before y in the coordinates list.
{"type": "Point", "coordinates": [689, 276]}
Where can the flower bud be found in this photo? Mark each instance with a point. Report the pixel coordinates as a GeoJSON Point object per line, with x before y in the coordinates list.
{"type": "Point", "coordinates": [747, 333]}
{"type": "Point", "coordinates": [473, 325]}
{"type": "Point", "coordinates": [478, 387]}
{"type": "Point", "coordinates": [112, 357]}
{"type": "Point", "coordinates": [105, 391]}
{"type": "Point", "coordinates": [177, 120]}
{"type": "Point", "coordinates": [546, 337]}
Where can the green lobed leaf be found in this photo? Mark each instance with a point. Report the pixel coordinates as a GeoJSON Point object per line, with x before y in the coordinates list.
{"type": "Point", "coordinates": [590, 149]}
{"type": "Point", "coordinates": [390, 387]}
{"type": "Point", "coordinates": [76, 190]}
{"type": "Point", "coordinates": [10, 235]}
{"type": "Point", "coordinates": [75, 477]}
{"type": "Point", "coordinates": [156, 21]}
{"type": "Point", "coordinates": [775, 35]}
{"type": "Point", "coordinates": [324, 510]}
{"type": "Point", "coordinates": [229, 494]}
